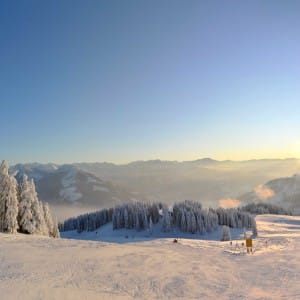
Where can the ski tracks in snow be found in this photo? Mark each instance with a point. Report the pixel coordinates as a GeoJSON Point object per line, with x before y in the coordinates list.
{"type": "Point", "coordinates": [35, 267]}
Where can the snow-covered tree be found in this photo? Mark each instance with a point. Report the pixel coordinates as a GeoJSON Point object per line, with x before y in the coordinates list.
{"type": "Point", "coordinates": [235, 218]}
{"type": "Point", "coordinates": [189, 217]}
{"type": "Point", "coordinates": [48, 219]}
{"type": "Point", "coordinates": [4, 182]}
{"type": "Point", "coordinates": [145, 218]}
{"type": "Point", "coordinates": [193, 223]}
{"type": "Point", "coordinates": [183, 224]}
{"type": "Point", "coordinates": [126, 219]}
{"type": "Point", "coordinates": [150, 225]}
{"type": "Point", "coordinates": [34, 217]}
{"type": "Point", "coordinates": [51, 225]}
{"type": "Point", "coordinates": [12, 207]}
{"type": "Point", "coordinates": [166, 223]}
{"type": "Point", "coordinates": [135, 215]}
{"type": "Point", "coordinates": [137, 221]}
{"type": "Point", "coordinates": [55, 230]}
{"type": "Point", "coordinates": [8, 200]}
{"type": "Point", "coordinates": [254, 228]}
{"type": "Point", "coordinates": [38, 212]}
{"type": "Point", "coordinates": [26, 220]}
{"type": "Point", "coordinates": [225, 233]}
{"type": "Point", "coordinates": [154, 212]}
{"type": "Point", "coordinates": [188, 221]}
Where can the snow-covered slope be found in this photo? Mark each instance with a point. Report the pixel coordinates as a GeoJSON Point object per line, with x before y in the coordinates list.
{"type": "Point", "coordinates": [35, 170]}
{"type": "Point", "coordinates": [35, 267]}
{"type": "Point", "coordinates": [282, 191]}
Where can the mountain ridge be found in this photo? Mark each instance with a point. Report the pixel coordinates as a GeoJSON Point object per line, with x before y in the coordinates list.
{"type": "Point", "coordinates": [203, 159]}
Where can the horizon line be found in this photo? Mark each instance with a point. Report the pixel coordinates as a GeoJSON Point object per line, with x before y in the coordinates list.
{"type": "Point", "coordinates": [154, 160]}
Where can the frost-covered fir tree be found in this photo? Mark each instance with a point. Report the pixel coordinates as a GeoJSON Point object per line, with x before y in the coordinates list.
{"type": "Point", "coordinates": [34, 217]}
{"type": "Point", "coordinates": [3, 193]}
{"type": "Point", "coordinates": [54, 232]}
{"type": "Point", "coordinates": [8, 200]}
{"type": "Point", "coordinates": [150, 225]}
{"type": "Point", "coordinates": [20, 206]}
{"type": "Point", "coordinates": [12, 207]}
{"type": "Point", "coordinates": [193, 223]}
{"type": "Point", "coordinates": [166, 222]}
{"type": "Point", "coordinates": [126, 219]}
{"type": "Point", "coordinates": [38, 212]}
{"type": "Point", "coordinates": [145, 219]}
{"type": "Point", "coordinates": [48, 219]}
{"type": "Point", "coordinates": [26, 220]}
{"type": "Point", "coordinates": [183, 224]}
{"type": "Point", "coordinates": [254, 228]}
{"type": "Point", "coordinates": [225, 233]}
{"type": "Point", "coordinates": [137, 221]}
{"type": "Point", "coordinates": [52, 226]}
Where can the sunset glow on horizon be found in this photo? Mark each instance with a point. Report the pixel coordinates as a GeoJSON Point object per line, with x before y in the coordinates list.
{"type": "Point", "coordinates": [134, 80]}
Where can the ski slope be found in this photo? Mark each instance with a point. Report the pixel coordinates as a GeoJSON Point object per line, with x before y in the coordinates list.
{"type": "Point", "coordinates": [34, 267]}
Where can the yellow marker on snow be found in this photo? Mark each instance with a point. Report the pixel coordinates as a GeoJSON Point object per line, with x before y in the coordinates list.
{"type": "Point", "coordinates": [249, 245]}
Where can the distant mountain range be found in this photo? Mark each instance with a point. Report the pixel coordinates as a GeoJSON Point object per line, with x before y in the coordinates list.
{"type": "Point", "coordinates": [88, 186]}
{"type": "Point", "coordinates": [205, 180]}
{"type": "Point", "coordinates": [70, 186]}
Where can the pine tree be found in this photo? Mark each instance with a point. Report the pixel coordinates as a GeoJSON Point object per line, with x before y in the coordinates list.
{"type": "Point", "coordinates": [183, 225]}
{"type": "Point", "coordinates": [38, 212]}
{"type": "Point", "coordinates": [188, 221]}
{"type": "Point", "coordinates": [225, 234]}
{"type": "Point", "coordinates": [126, 220]}
{"type": "Point", "coordinates": [137, 221]}
{"type": "Point", "coordinates": [8, 200]}
{"type": "Point", "coordinates": [193, 223]}
{"type": "Point", "coordinates": [200, 224]}
{"type": "Point", "coordinates": [26, 221]}
{"type": "Point", "coordinates": [4, 186]}
{"type": "Point", "coordinates": [55, 230]}
{"type": "Point", "coordinates": [51, 224]}
{"type": "Point", "coordinates": [12, 206]}
{"type": "Point", "coordinates": [48, 219]}
{"type": "Point", "coordinates": [33, 217]}
{"type": "Point", "coordinates": [150, 225]}
{"type": "Point", "coordinates": [145, 219]}
{"type": "Point", "coordinates": [166, 223]}
{"type": "Point", "coordinates": [254, 228]}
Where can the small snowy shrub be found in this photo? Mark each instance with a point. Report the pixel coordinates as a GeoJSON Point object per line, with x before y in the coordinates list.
{"type": "Point", "coordinates": [225, 233]}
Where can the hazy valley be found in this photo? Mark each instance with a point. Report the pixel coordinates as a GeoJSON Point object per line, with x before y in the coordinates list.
{"type": "Point", "coordinates": [81, 187]}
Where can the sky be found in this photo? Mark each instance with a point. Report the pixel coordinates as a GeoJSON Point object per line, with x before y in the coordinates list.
{"type": "Point", "coordinates": [135, 80]}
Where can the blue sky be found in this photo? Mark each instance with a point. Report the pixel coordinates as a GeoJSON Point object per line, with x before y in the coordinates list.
{"type": "Point", "coordinates": [128, 80]}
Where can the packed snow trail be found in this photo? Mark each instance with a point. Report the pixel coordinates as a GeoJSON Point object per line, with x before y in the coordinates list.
{"type": "Point", "coordinates": [33, 267]}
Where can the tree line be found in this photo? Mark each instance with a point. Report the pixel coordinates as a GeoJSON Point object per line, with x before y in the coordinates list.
{"type": "Point", "coordinates": [20, 208]}
{"type": "Point", "coordinates": [187, 216]}
{"type": "Point", "coordinates": [87, 222]}
{"type": "Point", "coordinates": [262, 208]}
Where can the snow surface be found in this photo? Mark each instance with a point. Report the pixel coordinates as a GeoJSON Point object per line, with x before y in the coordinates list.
{"type": "Point", "coordinates": [69, 191]}
{"type": "Point", "coordinates": [35, 267]}
{"type": "Point", "coordinates": [91, 180]}
{"type": "Point", "coordinates": [100, 188]}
